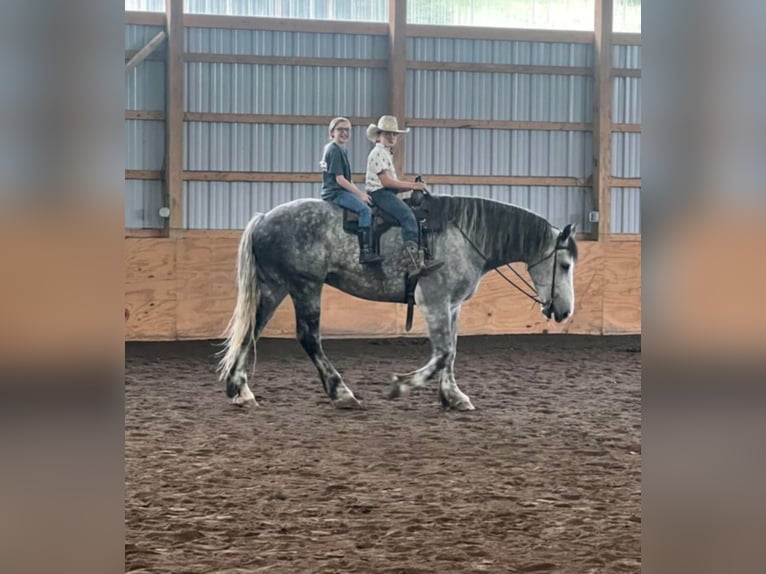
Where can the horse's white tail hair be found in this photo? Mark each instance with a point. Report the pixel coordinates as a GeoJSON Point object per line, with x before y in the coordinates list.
{"type": "Point", "coordinates": [242, 322]}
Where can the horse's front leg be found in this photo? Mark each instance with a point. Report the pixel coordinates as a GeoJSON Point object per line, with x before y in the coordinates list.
{"type": "Point", "coordinates": [437, 316]}
{"type": "Point", "coordinates": [307, 307]}
{"type": "Point", "coordinates": [450, 395]}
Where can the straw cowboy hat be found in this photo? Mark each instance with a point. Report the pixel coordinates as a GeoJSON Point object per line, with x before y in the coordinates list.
{"type": "Point", "coordinates": [385, 124]}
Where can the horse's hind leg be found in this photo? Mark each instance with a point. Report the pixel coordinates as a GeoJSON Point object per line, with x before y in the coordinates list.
{"type": "Point", "coordinates": [307, 308]}
{"type": "Point", "coordinates": [269, 298]}
{"type": "Point", "coordinates": [449, 393]}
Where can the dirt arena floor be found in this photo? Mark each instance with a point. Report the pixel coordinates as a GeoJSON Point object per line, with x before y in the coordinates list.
{"type": "Point", "coordinates": [545, 476]}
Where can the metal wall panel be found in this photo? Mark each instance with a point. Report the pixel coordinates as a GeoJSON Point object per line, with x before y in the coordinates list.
{"type": "Point", "coordinates": [551, 14]}
{"type": "Point", "coordinates": [264, 147]}
{"type": "Point", "coordinates": [497, 96]}
{"type": "Point", "coordinates": [145, 86]}
{"type": "Point", "coordinates": [560, 205]}
{"type": "Point", "coordinates": [625, 56]}
{"type": "Point", "coordinates": [626, 154]}
{"type": "Point", "coordinates": [145, 5]}
{"type": "Point", "coordinates": [364, 10]}
{"type": "Point", "coordinates": [284, 90]}
{"type": "Point", "coordinates": [626, 100]}
{"type": "Point", "coordinates": [143, 199]}
{"type": "Point", "coordinates": [275, 43]}
{"type": "Point", "coordinates": [499, 52]}
{"type": "Point", "coordinates": [626, 210]}
{"type": "Point", "coordinates": [446, 151]}
{"type": "Point", "coordinates": [144, 144]}
{"type": "Point", "coordinates": [230, 205]}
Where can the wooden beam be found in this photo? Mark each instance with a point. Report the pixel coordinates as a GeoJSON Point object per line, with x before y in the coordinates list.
{"type": "Point", "coordinates": [498, 68]}
{"type": "Point", "coordinates": [626, 182]}
{"type": "Point", "coordinates": [482, 33]}
{"type": "Point", "coordinates": [506, 180]}
{"type": "Point", "coordinates": [284, 24]}
{"type": "Point", "coordinates": [397, 73]}
{"type": "Point", "coordinates": [146, 115]}
{"type": "Point", "coordinates": [144, 52]}
{"type": "Point", "coordinates": [281, 177]}
{"type": "Point", "coordinates": [174, 128]}
{"type": "Point", "coordinates": [310, 177]}
{"type": "Point", "coordinates": [633, 128]}
{"type": "Point", "coordinates": [602, 117]}
{"type": "Point", "coordinates": [144, 18]}
{"type": "Point", "coordinates": [143, 232]}
{"type": "Point", "coordinates": [158, 55]}
{"type": "Point", "coordinates": [499, 125]}
{"type": "Point", "coordinates": [626, 72]}
{"type": "Point", "coordinates": [283, 60]}
{"type": "Point", "coordinates": [269, 119]}
{"type": "Point", "coordinates": [143, 174]}
{"type": "Point", "coordinates": [626, 39]}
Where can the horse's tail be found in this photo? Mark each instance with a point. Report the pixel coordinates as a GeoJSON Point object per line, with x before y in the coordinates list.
{"type": "Point", "coordinates": [241, 328]}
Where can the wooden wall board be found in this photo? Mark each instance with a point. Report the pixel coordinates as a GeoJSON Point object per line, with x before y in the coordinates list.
{"type": "Point", "coordinates": [184, 288]}
{"type": "Point", "coordinates": [622, 288]}
{"type": "Point", "coordinates": [150, 289]}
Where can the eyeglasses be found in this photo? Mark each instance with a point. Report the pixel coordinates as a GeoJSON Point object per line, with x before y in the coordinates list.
{"type": "Point", "coordinates": [343, 130]}
{"type": "Point", "coordinates": [389, 134]}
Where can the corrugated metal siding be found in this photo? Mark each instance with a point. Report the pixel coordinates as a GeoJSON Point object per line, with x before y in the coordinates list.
{"type": "Point", "coordinates": [144, 144]}
{"type": "Point", "coordinates": [624, 56]}
{"type": "Point", "coordinates": [283, 90]}
{"type": "Point", "coordinates": [230, 205]}
{"type": "Point", "coordinates": [626, 210]}
{"type": "Point", "coordinates": [560, 205]}
{"type": "Point", "coordinates": [264, 147]}
{"type": "Point", "coordinates": [145, 5]}
{"type": "Point", "coordinates": [499, 52]}
{"type": "Point", "coordinates": [273, 43]}
{"type": "Point", "coordinates": [144, 84]}
{"type": "Point", "coordinates": [626, 147]}
{"type": "Point", "coordinates": [261, 89]}
{"type": "Point", "coordinates": [498, 152]}
{"type": "Point", "coordinates": [376, 11]}
{"type": "Point", "coordinates": [552, 14]}
{"type": "Point", "coordinates": [143, 200]}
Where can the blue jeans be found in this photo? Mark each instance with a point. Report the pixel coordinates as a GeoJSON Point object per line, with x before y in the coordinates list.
{"type": "Point", "coordinates": [389, 202]}
{"type": "Point", "coordinates": [348, 200]}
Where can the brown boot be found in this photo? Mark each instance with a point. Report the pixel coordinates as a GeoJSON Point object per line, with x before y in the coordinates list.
{"type": "Point", "coordinates": [417, 266]}
{"type": "Point", "coordinates": [366, 256]}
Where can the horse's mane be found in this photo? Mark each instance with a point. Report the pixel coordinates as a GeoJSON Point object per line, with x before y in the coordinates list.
{"type": "Point", "coordinates": [500, 230]}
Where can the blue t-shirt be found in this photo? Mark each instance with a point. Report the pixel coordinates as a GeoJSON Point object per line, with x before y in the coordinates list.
{"type": "Point", "coordinates": [334, 162]}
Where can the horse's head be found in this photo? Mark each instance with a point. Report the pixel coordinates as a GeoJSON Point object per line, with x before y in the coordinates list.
{"type": "Point", "coordinates": [553, 276]}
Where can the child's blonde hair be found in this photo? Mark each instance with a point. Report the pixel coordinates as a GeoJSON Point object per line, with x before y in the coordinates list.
{"type": "Point", "coordinates": [334, 124]}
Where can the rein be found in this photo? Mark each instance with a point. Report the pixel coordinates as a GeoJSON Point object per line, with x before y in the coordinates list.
{"type": "Point", "coordinates": [534, 297]}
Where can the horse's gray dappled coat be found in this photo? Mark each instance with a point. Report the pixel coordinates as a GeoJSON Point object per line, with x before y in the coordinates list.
{"type": "Point", "coordinates": [297, 247]}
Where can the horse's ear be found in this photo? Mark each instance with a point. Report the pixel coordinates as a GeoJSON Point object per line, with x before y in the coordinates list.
{"type": "Point", "coordinates": [568, 232]}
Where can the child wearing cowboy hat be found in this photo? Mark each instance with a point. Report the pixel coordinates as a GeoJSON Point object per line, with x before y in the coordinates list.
{"type": "Point", "coordinates": [382, 185]}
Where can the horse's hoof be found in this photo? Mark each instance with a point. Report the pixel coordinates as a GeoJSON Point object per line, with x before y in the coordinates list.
{"type": "Point", "coordinates": [232, 390]}
{"type": "Point", "coordinates": [349, 402]}
{"type": "Point", "coordinates": [244, 403]}
{"type": "Point", "coordinates": [397, 389]}
{"type": "Point", "coordinates": [464, 406]}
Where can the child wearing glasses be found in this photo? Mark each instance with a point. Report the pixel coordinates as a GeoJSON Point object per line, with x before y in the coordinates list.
{"type": "Point", "coordinates": [338, 188]}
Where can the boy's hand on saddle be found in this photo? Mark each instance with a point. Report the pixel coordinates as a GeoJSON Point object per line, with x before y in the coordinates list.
{"type": "Point", "coordinates": [366, 198]}
{"type": "Point", "coordinates": [419, 185]}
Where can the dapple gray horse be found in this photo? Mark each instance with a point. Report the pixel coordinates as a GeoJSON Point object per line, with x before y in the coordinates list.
{"type": "Point", "coordinates": [299, 246]}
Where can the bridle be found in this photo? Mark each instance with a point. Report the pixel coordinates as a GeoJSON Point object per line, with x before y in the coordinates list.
{"type": "Point", "coordinates": [554, 253]}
